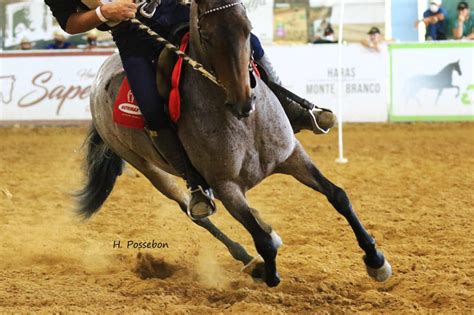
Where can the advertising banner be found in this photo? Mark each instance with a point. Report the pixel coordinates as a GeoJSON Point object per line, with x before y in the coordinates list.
{"type": "Point", "coordinates": [31, 20]}
{"type": "Point", "coordinates": [311, 71]}
{"type": "Point", "coordinates": [432, 81]}
{"type": "Point", "coordinates": [260, 13]}
{"type": "Point", "coordinates": [47, 86]}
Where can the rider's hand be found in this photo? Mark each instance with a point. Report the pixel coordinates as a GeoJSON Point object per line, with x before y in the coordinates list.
{"type": "Point", "coordinates": [119, 11]}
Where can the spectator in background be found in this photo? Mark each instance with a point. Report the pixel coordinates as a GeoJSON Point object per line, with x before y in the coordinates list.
{"type": "Point", "coordinates": [464, 25]}
{"type": "Point", "coordinates": [328, 36]}
{"type": "Point", "coordinates": [374, 39]}
{"type": "Point", "coordinates": [435, 21]}
{"type": "Point", "coordinates": [25, 44]}
{"type": "Point", "coordinates": [59, 42]}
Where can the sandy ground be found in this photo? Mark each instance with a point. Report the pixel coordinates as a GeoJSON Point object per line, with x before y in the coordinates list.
{"type": "Point", "coordinates": [412, 185]}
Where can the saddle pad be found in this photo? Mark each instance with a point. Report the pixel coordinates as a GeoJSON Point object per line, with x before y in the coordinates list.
{"type": "Point", "coordinates": [174, 103]}
{"type": "Point", "coordinates": [126, 111]}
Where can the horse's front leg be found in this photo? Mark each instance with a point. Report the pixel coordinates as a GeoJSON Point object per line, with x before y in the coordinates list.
{"type": "Point", "coordinates": [299, 165]}
{"type": "Point", "coordinates": [458, 89]}
{"type": "Point", "coordinates": [266, 240]}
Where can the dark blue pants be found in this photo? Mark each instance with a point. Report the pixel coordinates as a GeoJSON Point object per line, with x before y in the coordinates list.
{"type": "Point", "coordinates": [138, 53]}
{"type": "Point", "coordinates": [256, 46]}
{"type": "Point", "coordinates": [436, 32]}
{"type": "Point", "coordinates": [142, 78]}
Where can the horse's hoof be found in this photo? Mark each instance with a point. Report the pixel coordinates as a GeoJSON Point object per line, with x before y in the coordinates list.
{"type": "Point", "coordinates": [380, 274]}
{"type": "Point", "coordinates": [255, 268]}
{"type": "Point", "coordinates": [273, 280]}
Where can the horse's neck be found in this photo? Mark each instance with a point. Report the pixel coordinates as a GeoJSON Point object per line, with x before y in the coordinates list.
{"type": "Point", "coordinates": [447, 71]}
{"type": "Point", "coordinates": [195, 50]}
{"type": "Point", "coordinates": [197, 53]}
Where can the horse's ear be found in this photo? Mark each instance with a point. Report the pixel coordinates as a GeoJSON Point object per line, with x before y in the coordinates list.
{"type": "Point", "coordinates": [459, 60]}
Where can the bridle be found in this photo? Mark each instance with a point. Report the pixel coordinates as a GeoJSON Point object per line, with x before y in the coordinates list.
{"type": "Point", "coordinates": [220, 8]}
{"type": "Point", "coordinates": [215, 10]}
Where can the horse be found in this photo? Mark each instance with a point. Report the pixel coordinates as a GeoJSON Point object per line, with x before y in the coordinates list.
{"type": "Point", "coordinates": [235, 135]}
{"type": "Point", "coordinates": [440, 81]}
{"type": "Point", "coordinates": [7, 84]}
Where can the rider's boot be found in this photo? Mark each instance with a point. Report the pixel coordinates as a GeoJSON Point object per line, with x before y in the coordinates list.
{"type": "Point", "coordinates": [309, 117]}
{"type": "Point", "coordinates": [168, 144]}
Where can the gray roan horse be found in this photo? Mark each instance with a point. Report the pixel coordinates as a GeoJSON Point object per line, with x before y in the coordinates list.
{"type": "Point", "coordinates": [232, 151]}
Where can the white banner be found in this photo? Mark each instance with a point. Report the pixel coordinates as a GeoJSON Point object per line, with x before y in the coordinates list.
{"type": "Point", "coordinates": [31, 20]}
{"type": "Point", "coordinates": [260, 13]}
{"type": "Point", "coordinates": [432, 81]}
{"type": "Point", "coordinates": [47, 85]}
{"type": "Point", "coordinates": [311, 71]}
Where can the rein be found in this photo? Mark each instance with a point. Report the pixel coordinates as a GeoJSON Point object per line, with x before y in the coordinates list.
{"type": "Point", "coordinates": [193, 63]}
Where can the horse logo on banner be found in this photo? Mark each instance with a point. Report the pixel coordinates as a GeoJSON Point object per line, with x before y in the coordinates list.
{"type": "Point", "coordinates": [440, 81]}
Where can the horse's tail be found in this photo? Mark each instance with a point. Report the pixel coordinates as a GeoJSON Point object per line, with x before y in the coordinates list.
{"type": "Point", "coordinates": [102, 167]}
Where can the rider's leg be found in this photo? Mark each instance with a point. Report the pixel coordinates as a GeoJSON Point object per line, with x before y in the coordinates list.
{"type": "Point", "coordinates": [142, 80]}
{"type": "Point", "coordinates": [300, 117]}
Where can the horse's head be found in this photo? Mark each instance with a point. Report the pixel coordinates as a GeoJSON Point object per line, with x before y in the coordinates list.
{"type": "Point", "coordinates": [220, 31]}
{"type": "Point", "coordinates": [457, 67]}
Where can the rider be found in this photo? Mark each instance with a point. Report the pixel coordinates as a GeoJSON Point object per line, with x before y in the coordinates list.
{"type": "Point", "coordinates": [138, 53]}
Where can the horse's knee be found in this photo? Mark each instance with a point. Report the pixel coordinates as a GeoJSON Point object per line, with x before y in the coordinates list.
{"type": "Point", "coordinates": [338, 198]}
{"type": "Point", "coordinates": [264, 226]}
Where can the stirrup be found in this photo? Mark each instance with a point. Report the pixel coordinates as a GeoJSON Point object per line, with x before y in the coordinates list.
{"type": "Point", "coordinates": [314, 121]}
{"type": "Point", "coordinates": [210, 197]}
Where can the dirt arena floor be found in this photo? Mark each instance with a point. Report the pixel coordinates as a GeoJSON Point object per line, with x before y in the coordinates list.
{"type": "Point", "coordinates": [412, 185]}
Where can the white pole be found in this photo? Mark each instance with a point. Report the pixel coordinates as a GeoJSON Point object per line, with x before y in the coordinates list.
{"type": "Point", "coordinates": [341, 159]}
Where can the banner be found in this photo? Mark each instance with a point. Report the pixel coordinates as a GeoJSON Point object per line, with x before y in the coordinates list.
{"type": "Point", "coordinates": [260, 13]}
{"type": "Point", "coordinates": [311, 71]}
{"type": "Point", "coordinates": [31, 20]}
{"type": "Point", "coordinates": [47, 85]}
{"type": "Point", "coordinates": [432, 81]}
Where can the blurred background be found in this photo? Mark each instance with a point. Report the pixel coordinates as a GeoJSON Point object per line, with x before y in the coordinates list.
{"type": "Point", "coordinates": [275, 21]}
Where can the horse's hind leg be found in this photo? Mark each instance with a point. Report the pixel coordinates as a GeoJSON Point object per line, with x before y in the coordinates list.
{"type": "Point", "coordinates": [266, 240]}
{"type": "Point", "coordinates": [167, 185]}
{"type": "Point", "coordinates": [299, 165]}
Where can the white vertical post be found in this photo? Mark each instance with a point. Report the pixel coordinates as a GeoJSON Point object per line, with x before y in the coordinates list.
{"type": "Point", "coordinates": [341, 158]}
{"type": "Point", "coordinates": [421, 26]}
{"type": "Point", "coordinates": [388, 19]}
